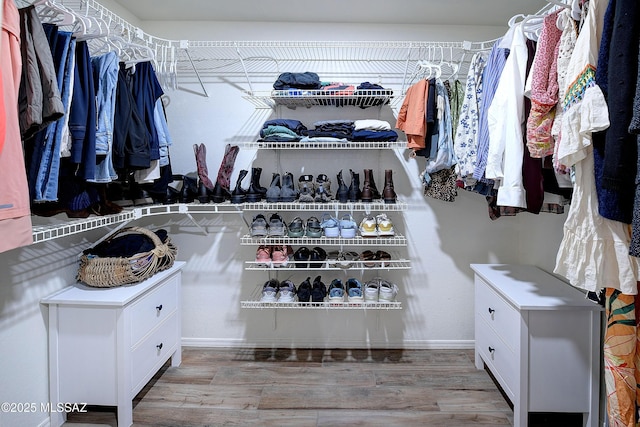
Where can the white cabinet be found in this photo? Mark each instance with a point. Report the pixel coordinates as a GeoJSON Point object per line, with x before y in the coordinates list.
{"type": "Point", "coordinates": [540, 338]}
{"type": "Point", "coordinates": [105, 344]}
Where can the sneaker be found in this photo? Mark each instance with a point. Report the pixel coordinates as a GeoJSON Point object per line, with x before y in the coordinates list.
{"type": "Point", "coordinates": [348, 227]}
{"type": "Point", "coordinates": [336, 291]}
{"type": "Point", "coordinates": [263, 256]}
{"type": "Point", "coordinates": [330, 226]}
{"type": "Point", "coordinates": [259, 226]}
{"type": "Point", "coordinates": [280, 255]}
{"type": "Point", "coordinates": [368, 227]}
{"type": "Point", "coordinates": [388, 291]}
{"type": "Point", "coordinates": [296, 227]}
{"type": "Point", "coordinates": [286, 291]}
{"type": "Point", "coordinates": [384, 225]}
{"type": "Point", "coordinates": [276, 226]}
{"type": "Point", "coordinates": [314, 228]}
{"type": "Point", "coordinates": [304, 290]}
{"type": "Point", "coordinates": [371, 290]}
{"type": "Point", "coordinates": [270, 291]}
{"type": "Point", "coordinates": [354, 290]}
{"type": "Point", "coordinates": [318, 290]}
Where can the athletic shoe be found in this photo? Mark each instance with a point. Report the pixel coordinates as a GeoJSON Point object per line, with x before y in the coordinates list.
{"type": "Point", "coordinates": [336, 291]}
{"type": "Point", "coordinates": [270, 291]}
{"type": "Point", "coordinates": [263, 256]}
{"type": "Point", "coordinates": [368, 227]}
{"type": "Point", "coordinates": [304, 290]}
{"type": "Point", "coordinates": [348, 227]}
{"type": "Point", "coordinates": [330, 226]}
{"type": "Point", "coordinates": [287, 291]}
{"type": "Point", "coordinates": [276, 226]}
{"type": "Point", "coordinates": [354, 290]}
{"type": "Point", "coordinates": [371, 290]}
{"type": "Point", "coordinates": [280, 255]}
{"type": "Point", "coordinates": [318, 290]}
{"type": "Point", "coordinates": [259, 226]}
{"type": "Point", "coordinates": [388, 291]}
{"type": "Point", "coordinates": [384, 225]}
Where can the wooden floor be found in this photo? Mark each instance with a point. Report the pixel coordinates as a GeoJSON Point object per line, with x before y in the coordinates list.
{"type": "Point", "coordinates": [242, 387]}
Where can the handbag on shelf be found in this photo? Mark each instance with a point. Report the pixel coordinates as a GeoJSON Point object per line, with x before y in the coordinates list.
{"type": "Point", "coordinates": [116, 262]}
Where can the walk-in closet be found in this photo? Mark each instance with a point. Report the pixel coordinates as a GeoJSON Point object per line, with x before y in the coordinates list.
{"type": "Point", "coordinates": [363, 213]}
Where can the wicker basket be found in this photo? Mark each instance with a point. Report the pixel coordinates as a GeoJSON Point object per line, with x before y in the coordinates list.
{"type": "Point", "coordinates": [103, 272]}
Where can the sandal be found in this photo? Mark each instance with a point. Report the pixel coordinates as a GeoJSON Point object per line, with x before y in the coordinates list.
{"type": "Point", "coordinates": [296, 227]}
{"type": "Point", "coordinates": [367, 257]}
{"type": "Point", "coordinates": [314, 229]}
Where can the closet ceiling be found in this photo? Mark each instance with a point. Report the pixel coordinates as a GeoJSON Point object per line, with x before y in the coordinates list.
{"type": "Point", "coordinates": [425, 12]}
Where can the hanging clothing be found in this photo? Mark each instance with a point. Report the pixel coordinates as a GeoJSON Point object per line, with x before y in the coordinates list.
{"type": "Point", "coordinates": [444, 157]}
{"type": "Point", "coordinates": [466, 135]}
{"type": "Point", "coordinates": [622, 357]}
{"type": "Point", "coordinates": [39, 99]}
{"type": "Point", "coordinates": [15, 214]}
{"type": "Point", "coordinates": [634, 128]}
{"type": "Point", "coordinates": [544, 89]}
{"type": "Point", "coordinates": [492, 71]}
{"type": "Point", "coordinates": [146, 91]}
{"type": "Point", "coordinates": [505, 118]}
{"type": "Point", "coordinates": [412, 115]}
{"type": "Point", "coordinates": [593, 253]}
{"type": "Point", "coordinates": [105, 68]}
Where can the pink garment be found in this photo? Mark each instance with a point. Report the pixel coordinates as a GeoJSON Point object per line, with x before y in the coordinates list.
{"type": "Point", "coordinates": [15, 213]}
{"type": "Point", "coordinates": [544, 89]}
{"type": "Point", "coordinates": [412, 117]}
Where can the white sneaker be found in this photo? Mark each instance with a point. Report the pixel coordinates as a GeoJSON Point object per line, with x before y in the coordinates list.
{"type": "Point", "coordinates": [368, 227]}
{"type": "Point", "coordinates": [270, 291]}
{"type": "Point", "coordinates": [287, 291]}
{"type": "Point", "coordinates": [371, 290]}
{"type": "Point", "coordinates": [388, 291]}
{"type": "Point", "coordinates": [384, 225]}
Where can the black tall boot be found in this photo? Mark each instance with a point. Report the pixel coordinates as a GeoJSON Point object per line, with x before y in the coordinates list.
{"type": "Point", "coordinates": [342, 193]}
{"type": "Point", "coordinates": [354, 187]}
{"type": "Point", "coordinates": [238, 195]}
{"type": "Point", "coordinates": [255, 193]}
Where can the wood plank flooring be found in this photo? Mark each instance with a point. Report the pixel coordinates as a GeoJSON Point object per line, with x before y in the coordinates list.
{"type": "Point", "coordinates": [243, 387]}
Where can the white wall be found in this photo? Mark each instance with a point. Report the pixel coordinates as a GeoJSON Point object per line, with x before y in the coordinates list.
{"type": "Point", "coordinates": [444, 238]}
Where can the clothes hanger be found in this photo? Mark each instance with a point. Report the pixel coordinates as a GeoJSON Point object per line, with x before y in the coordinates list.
{"type": "Point", "coordinates": [51, 12]}
{"type": "Point", "coordinates": [559, 3]}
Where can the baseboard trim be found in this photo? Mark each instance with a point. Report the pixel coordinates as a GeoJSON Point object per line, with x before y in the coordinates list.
{"type": "Point", "coordinates": [408, 344]}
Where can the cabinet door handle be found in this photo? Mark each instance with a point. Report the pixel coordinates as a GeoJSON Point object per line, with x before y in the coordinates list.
{"type": "Point", "coordinates": [491, 349]}
{"type": "Point", "coordinates": [159, 307]}
{"type": "Point", "coordinates": [491, 310]}
{"type": "Point", "coordinates": [159, 346]}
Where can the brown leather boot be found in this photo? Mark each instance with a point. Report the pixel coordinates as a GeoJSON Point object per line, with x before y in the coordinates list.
{"type": "Point", "coordinates": [388, 193]}
{"type": "Point", "coordinates": [367, 190]}
{"type": "Point", "coordinates": [201, 164]}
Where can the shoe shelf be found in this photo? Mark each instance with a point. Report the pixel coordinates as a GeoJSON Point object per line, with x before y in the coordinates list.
{"type": "Point", "coordinates": [397, 240]}
{"type": "Point", "coordinates": [325, 305]}
{"type": "Point", "coordinates": [293, 98]}
{"type": "Point", "coordinates": [324, 207]}
{"type": "Point", "coordinates": [59, 228]}
{"type": "Point", "coordinates": [393, 264]}
{"type": "Point", "coordinates": [325, 145]}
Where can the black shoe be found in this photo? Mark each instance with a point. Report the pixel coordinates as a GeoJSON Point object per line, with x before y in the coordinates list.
{"type": "Point", "coordinates": [318, 290]}
{"type": "Point", "coordinates": [342, 194]}
{"type": "Point", "coordinates": [301, 256]}
{"type": "Point", "coordinates": [238, 195]}
{"type": "Point", "coordinates": [304, 290]}
{"type": "Point", "coordinates": [317, 258]}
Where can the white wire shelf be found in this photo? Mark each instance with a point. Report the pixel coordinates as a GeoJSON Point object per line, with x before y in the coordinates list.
{"type": "Point", "coordinates": [325, 145]}
{"type": "Point", "coordinates": [397, 240]}
{"type": "Point", "coordinates": [328, 265]}
{"type": "Point", "coordinates": [325, 305]}
{"type": "Point", "coordinates": [63, 228]}
{"type": "Point", "coordinates": [378, 205]}
{"type": "Point", "coordinates": [293, 98]}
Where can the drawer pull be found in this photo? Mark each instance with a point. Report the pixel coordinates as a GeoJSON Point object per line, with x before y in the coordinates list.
{"type": "Point", "coordinates": [491, 310]}
{"type": "Point", "coordinates": [491, 349]}
{"type": "Point", "coordinates": [159, 307]}
{"type": "Point", "coordinates": [159, 346]}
